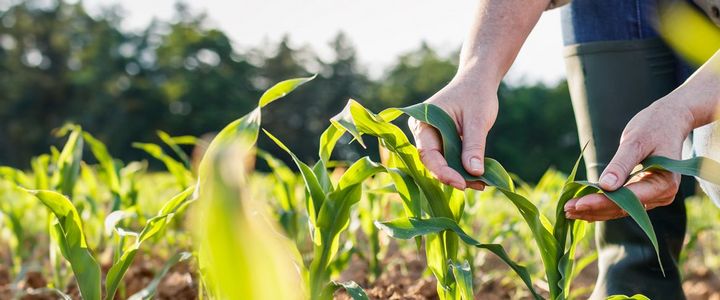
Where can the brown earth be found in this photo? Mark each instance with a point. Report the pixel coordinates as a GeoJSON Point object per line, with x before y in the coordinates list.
{"type": "Point", "coordinates": [178, 284]}
{"type": "Point", "coordinates": [403, 277]}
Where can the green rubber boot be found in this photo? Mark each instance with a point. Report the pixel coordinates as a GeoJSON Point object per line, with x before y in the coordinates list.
{"type": "Point", "coordinates": [609, 83]}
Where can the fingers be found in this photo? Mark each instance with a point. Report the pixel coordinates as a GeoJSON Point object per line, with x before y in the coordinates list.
{"type": "Point", "coordinates": [594, 207]}
{"type": "Point", "coordinates": [473, 146]}
{"type": "Point", "coordinates": [656, 188]}
{"type": "Point", "coordinates": [653, 190]}
{"type": "Point", "coordinates": [476, 185]}
{"type": "Point", "coordinates": [430, 149]}
{"type": "Point", "coordinates": [628, 155]}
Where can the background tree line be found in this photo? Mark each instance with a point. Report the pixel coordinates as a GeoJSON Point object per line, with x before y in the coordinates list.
{"type": "Point", "coordinates": [58, 64]}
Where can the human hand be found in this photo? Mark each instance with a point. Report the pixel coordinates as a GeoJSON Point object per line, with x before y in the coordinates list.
{"type": "Point", "coordinates": [473, 106]}
{"type": "Point", "coordinates": [660, 129]}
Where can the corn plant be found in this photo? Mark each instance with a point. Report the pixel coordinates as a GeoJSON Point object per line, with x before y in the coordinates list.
{"type": "Point", "coordinates": [556, 242]}
{"type": "Point", "coordinates": [422, 195]}
{"type": "Point", "coordinates": [284, 190]}
{"type": "Point", "coordinates": [56, 176]}
{"type": "Point", "coordinates": [224, 205]}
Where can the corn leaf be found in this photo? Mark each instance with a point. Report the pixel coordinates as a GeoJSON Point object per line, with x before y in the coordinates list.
{"type": "Point", "coordinates": [407, 228]}
{"type": "Point", "coordinates": [312, 185]}
{"type": "Point", "coordinates": [357, 120]}
{"type": "Point", "coordinates": [71, 239]}
{"type": "Point", "coordinates": [281, 89]}
{"type": "Point", "coordinates": [171, 142]}
{"type": "Point", "coordinates": [701, 167]}
{"type": "Point", "coordinates": [353, 289]}
{"type": "Point", "coordinates": [181, 173]}
{"type": "Point", "coordinates": [328, 140]}
{"type": "Point", "coordinates": [152, 227]}
{"type": "Point", "coordinates": [224, 227]}
{"type": "Point", "coordinates": [40, 166]}
{"type": "Point", "coordinates": [226, 224]}
{"type": "Point", "coordinates": [68, 163]}
{"type": "Point", "coordinates": [463, 279]}
{"type": "Point", "coordinates": [17, 176]}
{"type": "Point", "coordinates": [495, 175]}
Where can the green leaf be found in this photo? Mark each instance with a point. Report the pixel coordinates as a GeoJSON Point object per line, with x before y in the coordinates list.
{"type": "Point", "coordinates": [407, 228]}
{"type": "Point", "coordinates": [358, 120]}
{"type": "Point", "coordinates": [152, 226]}
{"type": "Point", "coordinates": [68, 162]}
{"type": "Point", "coordinates": [625, 199]}
{"type": "Point", "coordinates": [17, 176]}
{"type": "Point", "coordinates": [281, 89]}
{"type": "Point", "coordinates": [463, 279]}
{"type": "Point", "coordinates": [328, 140]}
{"type": "Point", "coordinates": [149, 291]}
{"type": "Point", "coordinates": [353, 289]}
{"type": "Point", "coordinates": [225, 224]}
{"type": "Point", "coordinates": [312, 185]}
{"type": "Point", "coordinates": [171, 142]}
{"type": "Point", "coordinates": [495, 175]}
{"type": "Point", "coordinates": [71, 239]}
{"type": "Point", "coordinates": [177, 169]}
{"type": "Point", "coordinates": [702, 167]}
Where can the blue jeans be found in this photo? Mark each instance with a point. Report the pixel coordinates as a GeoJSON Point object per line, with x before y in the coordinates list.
{"type": "Point", "coordinates": [586, 21]}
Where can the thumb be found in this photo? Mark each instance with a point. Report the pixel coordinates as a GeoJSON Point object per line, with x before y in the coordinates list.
{"type": "Point", "coordinates": [473, 147]}
{"type": "Point", "coordinates": [628, 155]}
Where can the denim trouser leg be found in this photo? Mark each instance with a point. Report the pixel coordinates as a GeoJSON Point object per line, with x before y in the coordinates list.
{"type": "Point", "coordinates": [617, 66]}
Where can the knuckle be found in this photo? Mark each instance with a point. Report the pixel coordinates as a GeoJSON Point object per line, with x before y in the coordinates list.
{"type": "Point", "coordinates": [472, 148]}
{"type": "Point", "coordinates": [619, 166]}
{"type": "Point", "coordinates": [635, 145]}
{"type": "Point", "coordinates": [415, 125]}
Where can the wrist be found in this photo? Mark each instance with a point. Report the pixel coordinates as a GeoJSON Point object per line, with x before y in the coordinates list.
{"type": "Point", "coordinates": [679, 110]}
{"type": "Point", "coordinates": [698, 103]}
{"type": "Point", "coordinates": [477, 77]}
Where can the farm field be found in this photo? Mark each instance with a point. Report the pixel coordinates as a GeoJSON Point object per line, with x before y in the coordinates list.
{"type": "Point", "coordinates": [81, 224]}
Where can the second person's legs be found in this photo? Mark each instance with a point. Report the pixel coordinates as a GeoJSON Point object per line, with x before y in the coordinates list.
{"type": "Point", "coordinates": [617, 66]}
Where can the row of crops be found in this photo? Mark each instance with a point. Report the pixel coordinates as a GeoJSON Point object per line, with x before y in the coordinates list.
{"type": "Point", "coordinates": [288, 235]}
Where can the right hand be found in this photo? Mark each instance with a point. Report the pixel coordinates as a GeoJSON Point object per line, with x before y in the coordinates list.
{"type": "Point", "coordinates": [473, 105]}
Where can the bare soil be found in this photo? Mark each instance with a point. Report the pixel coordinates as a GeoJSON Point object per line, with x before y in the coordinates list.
{"type": "Point", "coordinates": [178, 284]}
{"type": "Point", "coordinates": [403, 277]}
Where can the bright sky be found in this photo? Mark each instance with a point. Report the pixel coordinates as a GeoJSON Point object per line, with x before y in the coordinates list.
{"type": "Point", "coordinates": [380, 29]}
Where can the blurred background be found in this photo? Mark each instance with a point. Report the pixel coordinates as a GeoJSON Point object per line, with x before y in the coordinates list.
{"type": "Point", "coordinates": [125, 69]}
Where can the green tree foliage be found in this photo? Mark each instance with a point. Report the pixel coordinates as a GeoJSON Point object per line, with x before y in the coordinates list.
{"type": "Point", "coordinates": [58, 64]}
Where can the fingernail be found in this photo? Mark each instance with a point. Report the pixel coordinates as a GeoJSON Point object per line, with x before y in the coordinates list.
{"type": "Point", "coordinates": [608, 180]}
{"type": "Point", "coordinates": [475, 164]}
{"type": "Point", "coordinates": [570, 216]}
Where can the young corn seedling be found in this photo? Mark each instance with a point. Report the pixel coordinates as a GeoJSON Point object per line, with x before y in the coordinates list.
{"type": "Point", "coordinates": [432, 209]}
{"type": "Point", "coordinates": [65, 225]}
{"type": "Point", "coordinates": [226, 221]}
{"type": "Point", "coordinates": [329, 213]}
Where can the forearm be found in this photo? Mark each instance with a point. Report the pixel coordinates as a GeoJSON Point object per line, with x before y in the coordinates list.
{"type": "Point", "coordinates": [499, 30]}
{"type": "Point", "coordinates": [700, 94]}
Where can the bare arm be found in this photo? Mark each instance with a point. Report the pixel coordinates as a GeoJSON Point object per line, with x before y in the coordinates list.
{"type": "Point", "coordinates": [499, 30]}
{"type": "Point", "coordinates": [701, 93]}
{"type": "Point", "coordinates": [496, 35]}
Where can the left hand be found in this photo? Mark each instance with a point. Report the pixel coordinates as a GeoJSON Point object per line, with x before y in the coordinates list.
{"type": "Point", "coordinates": [659, 129]}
